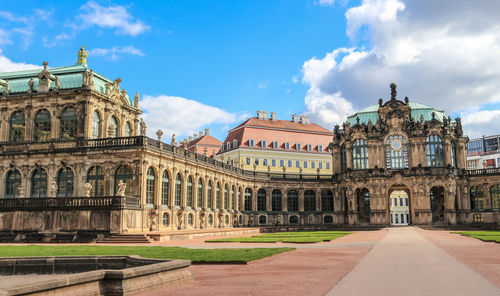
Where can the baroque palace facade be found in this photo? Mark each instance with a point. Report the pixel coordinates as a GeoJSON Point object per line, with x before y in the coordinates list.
{"type": "Point", "coordinates": [74, 156]}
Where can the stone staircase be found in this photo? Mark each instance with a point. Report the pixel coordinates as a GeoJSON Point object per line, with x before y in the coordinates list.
{"type": "Point", "coordinates": [125, 239]}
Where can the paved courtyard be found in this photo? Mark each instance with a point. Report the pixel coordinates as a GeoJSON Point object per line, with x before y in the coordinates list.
{"type": "Point", "coordinates": [406, 261]}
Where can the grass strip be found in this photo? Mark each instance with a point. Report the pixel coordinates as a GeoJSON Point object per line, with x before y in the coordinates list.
{"type": "Point", "coordinates": [195, 255]}
{"type": "Point", "coordinates": [286, 237]}
{"type": "Point", "coordinates": [487, 236]}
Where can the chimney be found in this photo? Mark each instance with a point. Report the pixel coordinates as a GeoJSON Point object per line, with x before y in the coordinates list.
{"type": "Point", "coordinates": [190, 138]}
{"type": "Point", "coordinates": [207, 132]}
{"type": "Point", "coordinates": [295, 118]}
{"type": "Point", "coordinates": [195, 136]}
{"type": "Point", "coordinates": [273, 116]}
{"type": "Point", "coordinates": [262, 114]}
{"type": "Point", "coordinates": [200, 134]}
{"type": "Point", "coordinates": [304, 119]}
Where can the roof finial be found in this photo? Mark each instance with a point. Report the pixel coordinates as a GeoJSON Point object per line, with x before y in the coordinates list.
{"type": "Point", "coordinates": [393, 91]}
{"type": "Point", "coordinates": [45, 64]}
{"type": "Point", "coordinates": [82, 56]}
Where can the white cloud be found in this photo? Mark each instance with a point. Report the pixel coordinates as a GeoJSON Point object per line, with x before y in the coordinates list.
{"type": "Point", "coordinates": [112, 17]}
{"type": "Point", "coordinates": [263, 84]}
{"type": "Point", "coordinates": [325, 2]}
{"type": "Point", "coordinates": [7, 65]}
{"type": "Point", "coordinates": [181, 116]}
{"type": "Point", "coordinates": [295, 79]}
{"type": "Point", "coordinates": [481, 123]}
{"type": "Point", "coordinates": [115, 52]}
{"type": "Point", "coordinates": [4, 37]}
{"type": "Point", "coordinates": [440, 53]}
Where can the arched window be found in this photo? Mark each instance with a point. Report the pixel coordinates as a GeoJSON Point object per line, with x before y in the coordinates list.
{"type": "Point", "coordinates": [95, 177]}
{"type": "Point", "coordinates": [396, 152]}
{"type": "Point", "coordinates": [359, 154]}
{"type": "Point", "coordinates": [113, 127]}
{"type": "Point", "coordinates": [343, 159]}
{"type": "Point", "coordinates": [262, 219]}
{"type": "Point", "coordinates": [453, 152]}
{"type": "Point", "coordinates": [233, 199]}
{"type": "Point", "coordinates": [127, 129]}
{"type": "Point", "coordinates": [41, 126]}
{"type": "Point", "coordinates": [226, 198]}
{"type": "Point", "coordinates": [96, 125]}
{"type": "Point", "coordinates": [189, 191]}
{"type": "Point", "coordinates": [150, 186]}
{"type": "Point", "coordinates": [293, 201]}
{"type": "Point", "coordinates": [328, 219]}
{"type": "Point", "coordinates": [209, 195]}
{"type": "Point", "coordinates": [293, 220]}
{"type": "Point", "coordinates": [178, 190]}
{"type": "Point", "coordinates": [239, 203]}
{"type": "Point", "coordinates": [261, 200]}
{"type": "Point", "coordinates": [327, 200]}
{"type": "Point", "coordinates": [190, 219]}
{"type": "Point", "coordinates": [165, 183]}
{"type": "Point", "coordinates": [309, 201]}
{"type": "Point", "coordinates": [276, 200]}
{"type": "Point", "coordinates": [200, 193]}
{"type": "Point", "coordinates": [39, 183]}
{"type": "Point", "coordinates": [248, 199]}
{"type": "Point", "coordinates": [17, 127]}
{"type": "Point", "coordinates": [476, 198]}
{"type": "Point", "coordinates": [165, 219]}
{"type": "Point", "coordinates": [210, 219]}
{"type": "Point", "coordinates": [12, 181]}
{"type": "Point", "coordinates": [495, 197]}
{"type": "Point", "coordinates": [435, 154]}
{"type": "Point", "coordinates": [218, 196]}
{"type": "Point", "coordinates": [65, 180]}
{"type": "Point", "coordinates": [68, 124]}
{"type": "Point", "coordinates": [124, 173]}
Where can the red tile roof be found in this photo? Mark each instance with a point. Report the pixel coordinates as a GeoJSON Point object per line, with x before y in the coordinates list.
{"type": "Point", "coordinates": [198, 145]}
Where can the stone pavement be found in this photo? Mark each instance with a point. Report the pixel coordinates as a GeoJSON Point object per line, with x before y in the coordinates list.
{"type": "Point", "coordinates": [405, 263]}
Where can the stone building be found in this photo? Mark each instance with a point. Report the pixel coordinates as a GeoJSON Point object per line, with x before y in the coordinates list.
{"type": "Point", "coordinates": [74, 157]}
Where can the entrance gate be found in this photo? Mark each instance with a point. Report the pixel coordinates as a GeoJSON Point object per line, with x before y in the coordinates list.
{"type": "Point", "coordinates": [400, 207]}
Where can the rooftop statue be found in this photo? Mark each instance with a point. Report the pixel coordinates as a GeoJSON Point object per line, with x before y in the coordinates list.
{"type": "Point", "coordinates": [82, 56]}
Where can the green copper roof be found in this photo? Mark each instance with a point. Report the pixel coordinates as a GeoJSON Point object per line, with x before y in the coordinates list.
{"type": "Point", "coordinates": [417, 109]}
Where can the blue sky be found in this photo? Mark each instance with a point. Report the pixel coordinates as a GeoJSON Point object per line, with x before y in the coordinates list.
{"type": "Point", "coordinates": [223, 60]}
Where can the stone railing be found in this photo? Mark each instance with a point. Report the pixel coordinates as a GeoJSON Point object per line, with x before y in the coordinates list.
{"type": "Point", "coordinates": [57, 203]}
{"type": "Point", "coordinates": [483, 172]}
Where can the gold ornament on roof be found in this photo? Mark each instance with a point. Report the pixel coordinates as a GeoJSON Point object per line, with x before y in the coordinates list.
{"type": "Point", "coordinates": [82, 56]}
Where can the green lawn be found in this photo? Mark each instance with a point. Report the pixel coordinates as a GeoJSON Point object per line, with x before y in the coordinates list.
{"type": "Point", "coordinates": [286, 237]}
{"type": "Point", "coordinates": [195, 255]}
{"type": "Point", "coordinates": [487, 236]}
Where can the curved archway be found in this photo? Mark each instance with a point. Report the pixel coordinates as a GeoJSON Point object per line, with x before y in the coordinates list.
{"type": "Point", "coordinates": [436, 196]}
{"type": "Point", "coordinates": [399, 205]}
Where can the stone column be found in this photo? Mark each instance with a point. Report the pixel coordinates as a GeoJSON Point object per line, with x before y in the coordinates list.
{"type": "Point", "coordinates": [319, 204]}
{"type": "Point", "coordinates": [254, 199]}
{"type": "Point", "coordinates": [268, 199]}
{"type": "Point", "coordinates": [301, 200]}
{"type": "Point", "coordinates": [284, 200]}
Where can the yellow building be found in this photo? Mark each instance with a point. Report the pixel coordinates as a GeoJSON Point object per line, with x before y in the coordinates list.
{"type": "Point", "coordinates": [263, 144]}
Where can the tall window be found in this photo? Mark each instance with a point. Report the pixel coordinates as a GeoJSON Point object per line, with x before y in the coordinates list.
{"type": "Point", "coordinates": [124, 173]}
{"type": "Point", "coordinates": [95, 177]}
{"type": "Point", "coordinates": [261, 200]}
{"type": "Point", "coordinates": [165, 186]}
{"type": "Point", "coordinates": [396, 152]}
{"type": "Point", "coordinates": [453, 156]}
{"type": "Point", "coordinates": [12, 181]}
{"type": "Point", "coordinates": [359, 154]}
{"type": "Point", "coordinates": [65, 180]}
{"type": "Point", "coordinates": [17, 127]}
{"type": "Point", "coordinates": [248, 199]}
{"type": "Point", "coordinates": [39, 183]}
{"type": "Point", "coordinates": [226, 198]}
{"type": "Point", "coordinates": [127, 129]}
{"type": "Point", "coordinates": [96, 125]}
{"type": "Point", "coordinates": [113, 127]}
{"type": "Point", "coordinates": [435, 154]}
{"type": "Point", "coordinates": [209, 195]}
{"type": "Point", "coordinates": [189, 192]}
{"type": "Point", "coordinates": [41, 126]}
{"type": "Point", "coordinates": [178, 190]}
{"type": "Point", "coordinates": [68, 122]}
{"type": "Point", "coordinates": [495, 197]}
{"type": "Point", "coordinates": [343, 159]}
{"type": "Point", "coordinates": [240, 203]}
{"type": "Point", "coordinates": [200, 193]}
{"type": "Point", "coordinates": [150, 186]}
{"type": "Point", "coordinates": [276, 200]}
{"type": "Point", "coordinates": [293, 201]}
{"type": "Point", "coordinates": [217, 196]}
{"type": "Point", "coordinates": [327, 200]}
{"type": "Point", "coordinates": [476, 198]}
{"type": "Point", "coordinates": [233, 199]}
{"type": "Point", "coordinates": [309, 201]}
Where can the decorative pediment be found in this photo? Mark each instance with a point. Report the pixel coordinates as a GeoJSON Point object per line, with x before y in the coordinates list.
{"type": "Point", "coordinates": [45, 79]}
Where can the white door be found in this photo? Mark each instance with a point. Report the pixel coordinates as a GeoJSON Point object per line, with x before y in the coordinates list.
{"type": "Point", "coordinates": [399, 204]}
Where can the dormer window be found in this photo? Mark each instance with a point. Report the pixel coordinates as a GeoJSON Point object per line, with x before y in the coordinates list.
{"type": "Point", "coordinates": [263, 144]}
{"type": "Point", "coordinates": [228, 145]}
{"type": "Point", "coordinates": [320, 148]}
{"type": "Point", "coordinates": [309, 147]}
{"type": "Point", "coordinates": [287, 145]}
{"type": "Point", "coordinates": [235, 143]}
{"type": "Point", "coordinates": [297, 146]}
{"type": "Point", "coordinates": [275, 144]}
{"type": "Point", "coordinates": [222, 147]}
{"type": "Point", "coordinates": [250, 143]}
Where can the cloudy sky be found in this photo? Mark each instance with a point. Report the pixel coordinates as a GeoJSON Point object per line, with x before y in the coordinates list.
{"type": "Point", "coordinates": [212, 64]}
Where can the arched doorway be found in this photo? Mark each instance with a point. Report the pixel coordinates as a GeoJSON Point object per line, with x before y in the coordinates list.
{"type": "Point", "coordinates": [437, 204]}
{"type": "Point", "coordinates": [363, 202]}
{"type": "Point", "coordinates": [399, 204]}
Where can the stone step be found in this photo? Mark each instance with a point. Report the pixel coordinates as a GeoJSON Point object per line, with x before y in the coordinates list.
{"type": "Point", "coordinates": [126, 238]}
